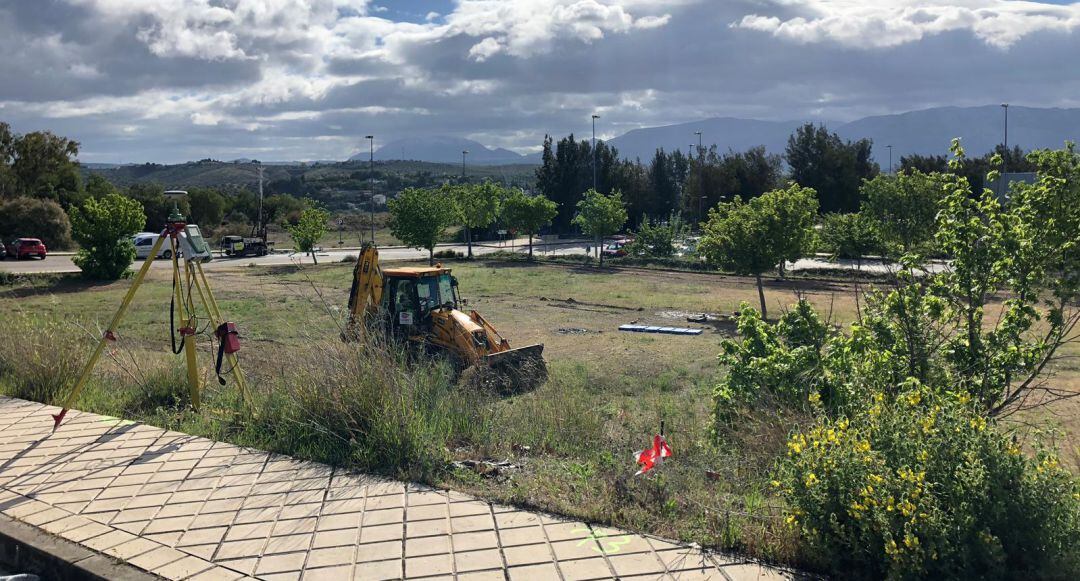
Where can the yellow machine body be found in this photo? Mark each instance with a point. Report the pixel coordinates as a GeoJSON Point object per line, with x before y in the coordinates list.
{"type": "Point", "coordinates": [421, 304]}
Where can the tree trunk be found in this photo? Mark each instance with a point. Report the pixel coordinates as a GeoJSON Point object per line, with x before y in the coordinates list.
{"type": "Point", "coordinates": [431, 256]}
{"type": "Point", "coordinates": [313, 259]}
{"type": "Point", "coordinates": [530, 247]}
{"type": "Point", "coordinates": [600, 249]}
{"type": "Point", "coordinates": [468, 239]}
{"type": "Point", "coordinates": [761, 298]}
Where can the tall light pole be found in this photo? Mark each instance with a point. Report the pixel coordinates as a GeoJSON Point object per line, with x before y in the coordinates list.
{"type": "Point", "coordinates": [701, 181]}
{"type": "Point", "coordinates": [1005, 158]}
{"type": "Point", "coordinates": [371, 182]}
{"type": "Point", "coordinates": [890, 158]}
{"type": "Point", "coordinates": [464, 152]}
{"type": "Point", "coordinates": [594, 118]}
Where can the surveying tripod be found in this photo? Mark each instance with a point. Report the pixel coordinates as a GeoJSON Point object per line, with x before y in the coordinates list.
{"type": "Point", "coordinates": [186, 279]}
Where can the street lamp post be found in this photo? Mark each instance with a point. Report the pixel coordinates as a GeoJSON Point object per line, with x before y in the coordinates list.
{"type": "Point", "coordinates": [701, 181]}
{"type": "Point", "coordinates": [890, 158]}
{"type": "Point", "coordinates": [371, 183]}
{"type": "Point", "coordinates": [464, 152]}
{"type": "Point", "coordinates": [594, 118]}
{"type": "Point", "coordinates": [1005, 157]}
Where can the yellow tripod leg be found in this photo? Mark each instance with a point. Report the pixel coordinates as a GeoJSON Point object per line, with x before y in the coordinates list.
{"type": "Point", "coordinates": [109, 333]}
{"type": "Point", "coordinates": [211, 306]}
{"type": "Point", "coordinates": [188, 339]}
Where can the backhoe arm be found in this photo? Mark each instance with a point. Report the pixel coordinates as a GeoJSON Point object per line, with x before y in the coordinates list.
{"type": "Point", "coordinates": [366, 292]}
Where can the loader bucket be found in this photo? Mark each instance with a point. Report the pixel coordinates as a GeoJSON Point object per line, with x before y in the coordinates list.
{"type": "Point", "coordinates": [513, 371]}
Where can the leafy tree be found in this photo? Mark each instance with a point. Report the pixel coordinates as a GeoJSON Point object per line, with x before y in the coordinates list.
{"type": "Point", "coordinates": [40, 165]}
{"type": "Point", "coordinates": [418, 217]}
{"type": "Point", "coordinates": [566, 171]}
{"type": "Point", "coordinates": [7, 154]}
{"type": "Point", "coordinates": [712, 178]}
{"type": "Point", "coordinates": [103, 228]}
{"type": "Point", "coordinates": [309, 229]}
{"type": "Point", "coordinates": [99, 187]}
{"type": "Point", "coordinates": [281, 208]}
{"type": "Point", "coordinates": [657, 238]}
{"type": "Point", "coordinates": [904, 208]}
{"type": "Point", "coordinates": [35, 218]}
{"type": "Point", "coordinates": [849, 235]}
{"type": "Point", "coordinates": [832, 167]}
{"type": "Point", "coordinates": [528, 214]}
{"type": "Point", "coordinates": [753, 237]}
{"type": "Point", "coordinates": [207, 207]}
{"type": "Point", "coordinates": [600, 216]}
{"type": "Point", "coordinates": [477, 206]}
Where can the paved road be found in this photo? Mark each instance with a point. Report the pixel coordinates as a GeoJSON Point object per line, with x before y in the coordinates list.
{"type": "Point", "coordinates": [184, 507]}
{"type": "Point", "coordinates": [61, 263]}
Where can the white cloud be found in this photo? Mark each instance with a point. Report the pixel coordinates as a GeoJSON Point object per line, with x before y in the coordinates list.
{"type": "Point", "coordinates": [485, 49]}
{"type": "Point", "coordinates": [883, 24]}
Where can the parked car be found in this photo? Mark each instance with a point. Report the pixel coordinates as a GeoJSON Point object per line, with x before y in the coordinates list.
{"type": "Point", "coordinates": [25, 248]}
{"type": "Point", "coordinates": [3, 251]}
{"type": "Point", "coordinates": [615, 250]}
{"type": "Point", "coordinates": [144, 243]}
{"type": "Point", "coordinates": [240, 246]}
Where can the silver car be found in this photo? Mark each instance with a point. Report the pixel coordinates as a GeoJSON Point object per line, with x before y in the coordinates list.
{"type": "Point", "coordinates": [145, 242]}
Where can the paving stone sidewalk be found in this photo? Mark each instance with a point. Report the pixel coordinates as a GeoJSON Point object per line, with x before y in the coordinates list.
{"type": "Point", "coordinates": [184, 507]}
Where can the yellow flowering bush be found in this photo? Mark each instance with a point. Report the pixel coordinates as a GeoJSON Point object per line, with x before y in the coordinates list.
{"type": "Point", "coordinates": [918, 486]}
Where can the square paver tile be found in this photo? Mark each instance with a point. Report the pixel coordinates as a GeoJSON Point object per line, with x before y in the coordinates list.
{"type": "Point", "coordinates": [335, 538]}
{"type": "Point", "coordinates": [475, 541]}
{"type": "Point", "coordinates": [637, 564]}
{"type": "Point", "coordinates": [239, 549]}
{"type": "Point", "coordinates": [379, 551]}
{"type": "Point", "coordinates": [330, 556]}
{"type": "Point", "coordinates": [288, 543]}
{"type": "Point", "coordinates": [420, 546]}
{"type": "Point", "coordinates": [468, 524]}
{"type": "Point", "coordinates": [381, 533]}
{"type": "Point", "coordinates": [521, 536]}
{"type": "Point", "coordinates": [428, 566]}
{"type": "Point", "coordinates": [280, 563]}
{"type": "Point", "coordinates": [582, 569]}
{"type": "Point", "coordinates": [477, 560]}
{"type": "Point", "coordinates": [527, 554]}
{"type": "Point", "coordinates": [378, 570]}
{"type": "Point", "coordinates": [337, 573]}
{"type": "Point", "coordinates": [531, 572]}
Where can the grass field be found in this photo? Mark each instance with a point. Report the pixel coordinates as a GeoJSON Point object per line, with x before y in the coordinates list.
{"type": "Point", "coordinates": [568, 444]}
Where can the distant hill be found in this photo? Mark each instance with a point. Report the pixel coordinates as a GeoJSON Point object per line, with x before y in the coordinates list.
{"type": "Point", "coordinates": [926, 132]}
{"type": "Point", "coordinates": [442, 149]}
{"type": "Point", "coordinates": [338, 185]}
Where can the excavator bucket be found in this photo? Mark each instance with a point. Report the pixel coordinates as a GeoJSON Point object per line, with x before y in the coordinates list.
{"type": "Point", "coordinates": [512, 371]}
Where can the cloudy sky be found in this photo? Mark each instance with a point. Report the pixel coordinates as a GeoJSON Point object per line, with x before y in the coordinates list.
{"type": "Point", "coordinates": [174, 80]}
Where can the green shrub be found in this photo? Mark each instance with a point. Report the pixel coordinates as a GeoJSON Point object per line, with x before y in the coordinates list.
{"type": "Point", "coordinates": [35, 218]}
{"type": "Point", "coordinates": [103, 228]}
{"type": "Point", "coordinates": [919, 486]}
{"type": "Point", "coordinates": [848, 235]}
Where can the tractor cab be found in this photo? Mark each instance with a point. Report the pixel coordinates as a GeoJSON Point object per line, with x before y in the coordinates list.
{"type": "Point", "coordinates": [412, 294]}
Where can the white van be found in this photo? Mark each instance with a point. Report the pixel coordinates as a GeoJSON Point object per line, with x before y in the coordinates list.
{"type": "Point", "coordinates": [144, 242]}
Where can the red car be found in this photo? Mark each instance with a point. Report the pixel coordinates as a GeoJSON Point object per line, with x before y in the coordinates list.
{"type": "Point", "coordinates": [25, 248]}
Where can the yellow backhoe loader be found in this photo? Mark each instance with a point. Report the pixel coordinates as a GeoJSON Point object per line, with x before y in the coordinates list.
{"type": "Point", "coordinates": [420, 305]}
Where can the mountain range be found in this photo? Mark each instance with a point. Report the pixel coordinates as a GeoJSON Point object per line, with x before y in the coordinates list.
{"type": "Point", "coordinates": [927, 132]}
{"type": "Point", "coordinates": [443, 149]}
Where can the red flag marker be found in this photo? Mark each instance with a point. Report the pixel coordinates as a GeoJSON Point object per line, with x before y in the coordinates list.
{"type": "Point", "coordinates": [652, 457]}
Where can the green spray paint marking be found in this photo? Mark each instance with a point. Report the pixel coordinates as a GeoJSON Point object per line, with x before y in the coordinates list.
{"type": "Point", "coordinates": [614, 545]}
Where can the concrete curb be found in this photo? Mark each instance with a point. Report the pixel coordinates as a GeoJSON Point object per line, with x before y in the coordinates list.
{"type": "Point", "coordinates": [27, 549]}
